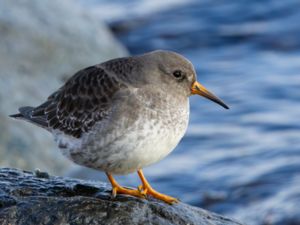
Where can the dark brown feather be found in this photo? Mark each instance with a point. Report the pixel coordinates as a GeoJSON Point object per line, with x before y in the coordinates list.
{"type": "Point", "coordinates": [80, 103]}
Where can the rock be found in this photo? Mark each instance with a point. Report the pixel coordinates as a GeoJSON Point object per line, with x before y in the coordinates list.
{"type": "Point", "coordinates": [42, 44]}
{"type": "Point", "coordinates": [29, 199]}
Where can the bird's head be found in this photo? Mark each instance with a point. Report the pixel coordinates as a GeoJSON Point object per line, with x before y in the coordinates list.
{"type": "Point", "coordinates": [177, 73]}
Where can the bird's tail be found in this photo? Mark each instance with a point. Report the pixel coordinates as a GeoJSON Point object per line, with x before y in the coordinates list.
{"type": "Point", "coordinates": [25, 113]}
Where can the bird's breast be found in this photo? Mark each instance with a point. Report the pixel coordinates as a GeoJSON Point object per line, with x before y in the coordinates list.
{"type": "Point", "coordinates": [142, 134]}
{"type": "Point", "coordinates": [160, 128]}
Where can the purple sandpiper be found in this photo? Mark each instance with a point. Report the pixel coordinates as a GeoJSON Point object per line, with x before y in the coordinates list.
{"type": "Point", "coordinates": [122, 115]}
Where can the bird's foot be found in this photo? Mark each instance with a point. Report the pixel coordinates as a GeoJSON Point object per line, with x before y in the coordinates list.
{"type": "Point", "coordinates": [121, 190]}
{"type": "Point", "coordinates": [118, 189]}
{"type": "Point", "coordinates": [146, 189]}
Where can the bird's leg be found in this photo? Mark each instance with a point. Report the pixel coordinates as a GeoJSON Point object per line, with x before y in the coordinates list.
{"type": "Point", "coordinates": [118, 189]}
{"type": "Point", "coordinates": [146, 189]}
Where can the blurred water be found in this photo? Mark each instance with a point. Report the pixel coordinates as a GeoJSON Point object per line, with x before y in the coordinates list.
{"type": "Point", "coordinates": [244, 162]}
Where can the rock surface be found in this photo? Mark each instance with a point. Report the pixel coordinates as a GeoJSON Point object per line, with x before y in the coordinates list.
{"type": "Point", "coordinates": [42, 43]}
{"type": "Point", "coordinates": [37, 198]}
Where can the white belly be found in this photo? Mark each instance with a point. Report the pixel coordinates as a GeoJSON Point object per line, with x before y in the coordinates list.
{"type": "Point", "coordinates": [143, 148]}
{"type": "Point", "coordinates": [149, 140]}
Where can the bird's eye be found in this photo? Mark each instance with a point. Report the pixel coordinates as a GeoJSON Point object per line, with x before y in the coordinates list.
{"type": "Point", "coordinates": [178, 74]}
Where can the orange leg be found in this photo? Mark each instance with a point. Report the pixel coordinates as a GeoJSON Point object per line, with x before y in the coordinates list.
{"type": "Point", "coordinates": [118, 189]}
{"type": "Point", "coordinates": [146, 189]}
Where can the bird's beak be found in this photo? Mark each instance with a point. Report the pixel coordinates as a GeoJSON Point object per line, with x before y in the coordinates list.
{"type": "Point", "coordinates": [199, 89]}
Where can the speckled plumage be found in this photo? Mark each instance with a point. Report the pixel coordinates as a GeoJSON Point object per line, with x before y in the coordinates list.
{"type": "Point", "coordinates": [121, 115]}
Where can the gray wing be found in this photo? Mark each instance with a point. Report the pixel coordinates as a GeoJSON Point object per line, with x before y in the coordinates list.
{"type": "Point", "coordinates": [84, 100]}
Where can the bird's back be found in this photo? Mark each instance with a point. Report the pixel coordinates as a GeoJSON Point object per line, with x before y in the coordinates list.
{"type": "Point", "coordinates": [82, 101]}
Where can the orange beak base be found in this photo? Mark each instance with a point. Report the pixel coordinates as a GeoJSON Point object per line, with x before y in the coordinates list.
{"type": "Point", "coordinates": [199, 89]}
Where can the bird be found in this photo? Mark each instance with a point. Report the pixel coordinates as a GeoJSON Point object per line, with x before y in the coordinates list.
{"type": "Point", "coordinates": [122, 115]}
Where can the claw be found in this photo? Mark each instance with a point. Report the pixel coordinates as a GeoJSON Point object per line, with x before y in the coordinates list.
{"type": "Point", "coordinates": [114, 193]}
{"type": "Point", "coordinates": [142, 190]}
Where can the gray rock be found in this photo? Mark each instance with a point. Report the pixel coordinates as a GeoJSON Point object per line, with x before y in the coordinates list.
{"type": "Point", "coordinates": [42, 43]}
{"type": "Point", "coordinates": [28, 198]}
